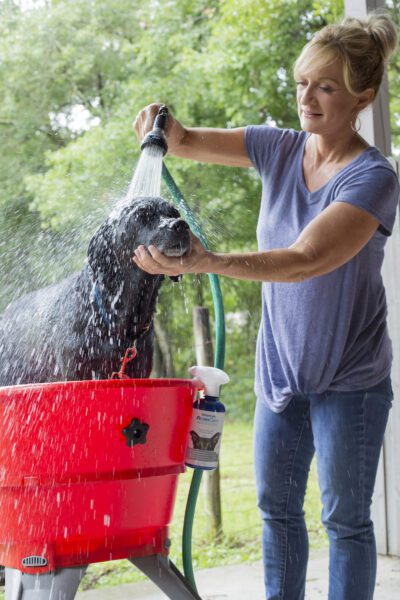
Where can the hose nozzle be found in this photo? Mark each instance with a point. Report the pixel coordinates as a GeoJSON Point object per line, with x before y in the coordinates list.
{"type": "Point", "coordinates": [156, 137]}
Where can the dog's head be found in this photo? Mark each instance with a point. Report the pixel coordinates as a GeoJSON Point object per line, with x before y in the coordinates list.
{"type": "Point", "coordinates": [203, 443]}
{"type": "Point", "coordinates": [145, 221]}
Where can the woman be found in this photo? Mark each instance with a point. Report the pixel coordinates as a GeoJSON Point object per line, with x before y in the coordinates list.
{"type": "Point", "coordinates": [323, 354]}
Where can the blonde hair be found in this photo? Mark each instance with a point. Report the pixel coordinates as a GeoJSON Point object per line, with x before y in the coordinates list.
{"type": "Point", "coordinates": [364, 48]}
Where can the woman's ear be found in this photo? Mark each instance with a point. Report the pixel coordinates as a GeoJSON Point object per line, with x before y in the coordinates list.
{"type": "Point", "coordinates": [365, 98]}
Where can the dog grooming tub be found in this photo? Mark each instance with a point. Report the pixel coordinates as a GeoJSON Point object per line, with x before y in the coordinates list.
{"type": "Point", "coordinates": [88, 473]}
{"type": "Point", "coordinates": [89, 469]}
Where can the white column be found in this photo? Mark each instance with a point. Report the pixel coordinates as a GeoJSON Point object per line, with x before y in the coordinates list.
{"type": "Point", "coordinates": [391, 451]}
{"type": "Point", "coordinates": [375, 128]}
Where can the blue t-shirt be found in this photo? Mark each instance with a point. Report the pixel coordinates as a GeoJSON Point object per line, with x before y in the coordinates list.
{"type": "Point", "coordinates": [328, 332]}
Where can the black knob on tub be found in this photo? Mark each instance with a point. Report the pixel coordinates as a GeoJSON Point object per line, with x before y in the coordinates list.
{"type": "Point", "coordinates": [135, 433]}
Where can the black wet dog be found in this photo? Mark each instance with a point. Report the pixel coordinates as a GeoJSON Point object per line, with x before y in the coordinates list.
{"type": "Point", "coordinates": [80, 328]}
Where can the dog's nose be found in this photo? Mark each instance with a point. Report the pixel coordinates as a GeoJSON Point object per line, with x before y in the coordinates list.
{"type": "Point", "coordinates": [179, 226]}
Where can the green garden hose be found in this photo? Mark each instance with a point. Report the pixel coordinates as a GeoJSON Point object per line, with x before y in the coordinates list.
{"type": "Point", "coordinates": [218, 362]}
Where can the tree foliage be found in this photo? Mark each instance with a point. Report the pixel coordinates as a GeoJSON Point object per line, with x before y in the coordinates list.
{"type": "Point", "coordinates": [73, 75]}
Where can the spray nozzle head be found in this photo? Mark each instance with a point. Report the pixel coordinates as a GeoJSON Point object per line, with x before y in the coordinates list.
{"type": "Point", "coordinates": [211, 377]}
{"type": "Point", "coordinates": [160, 122]}
{"type": "Point", "coordinates": [156, 137]}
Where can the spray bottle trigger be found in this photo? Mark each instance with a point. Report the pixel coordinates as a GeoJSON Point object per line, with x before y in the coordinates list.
{"type": "Point", "coordinates": [211, 378]}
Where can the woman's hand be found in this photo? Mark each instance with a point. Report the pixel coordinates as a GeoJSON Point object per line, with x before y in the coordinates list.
{"type": "Point", "coordinates": [174, 132]}
{"type": "Point", "coordinates": [154, 262]}
{"type": "Point", "coordinates": [204, 144]}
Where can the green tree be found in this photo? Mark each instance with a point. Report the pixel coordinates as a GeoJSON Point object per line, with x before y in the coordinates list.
{"type": "Point", "coordinates": [394, 83]}
{"type": "Point", "coordinates": [220, 63]}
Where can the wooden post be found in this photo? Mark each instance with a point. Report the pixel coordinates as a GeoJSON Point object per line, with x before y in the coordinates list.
{"type": "Point", "coordinates": [375, 128]}
{"type": "Point", "coordinates": [204, 357]}
{"type": "Point", "coordinates": [163, 361]}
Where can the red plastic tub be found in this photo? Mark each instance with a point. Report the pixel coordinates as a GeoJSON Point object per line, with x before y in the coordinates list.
{"type": "Point", "coordinates": [88, 470]}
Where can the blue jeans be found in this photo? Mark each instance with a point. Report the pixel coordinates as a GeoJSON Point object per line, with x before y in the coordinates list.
{"type": "Point", "coordinates": [345, 429]}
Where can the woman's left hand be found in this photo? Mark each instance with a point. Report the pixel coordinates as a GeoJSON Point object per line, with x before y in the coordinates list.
{"type": "Point", "coordinates": [154, 262]}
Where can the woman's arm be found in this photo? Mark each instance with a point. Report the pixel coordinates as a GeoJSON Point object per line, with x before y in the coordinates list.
{"type": "Point", "coordinates": [204, 144]}
{"type": "Point", "coordinates": [329, 241]}
{"type": "Point", "coordinates": [218, 146]}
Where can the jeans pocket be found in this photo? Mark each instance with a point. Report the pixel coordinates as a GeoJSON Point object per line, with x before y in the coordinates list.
{"type": "Point", "coordinates": [378, 397]}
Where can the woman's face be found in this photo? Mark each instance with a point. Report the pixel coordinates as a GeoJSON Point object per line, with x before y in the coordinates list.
{"type": "Point", "coordinates": [324, 104]}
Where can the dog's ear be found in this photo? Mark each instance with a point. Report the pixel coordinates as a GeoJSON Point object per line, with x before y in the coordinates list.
{"type": "Point", "coordinates": [214, 440]}
{"type": "Point", "coordinates": [100, 250]}
{"type": "Point", "coordinates": [195, 438]}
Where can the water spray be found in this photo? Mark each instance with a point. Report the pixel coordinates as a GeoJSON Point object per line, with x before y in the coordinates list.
{"type": "Point", "coordinates": [147, 177]}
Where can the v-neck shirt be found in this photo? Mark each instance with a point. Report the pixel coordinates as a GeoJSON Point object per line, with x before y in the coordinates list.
{"type": "Point", "coordinates": [328, 332]}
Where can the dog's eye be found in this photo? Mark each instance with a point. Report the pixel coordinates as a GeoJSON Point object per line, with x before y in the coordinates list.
{"type": "Point", "coordinates": [173, 214]}
{"type": "Point", "coordinates": [144, 214]}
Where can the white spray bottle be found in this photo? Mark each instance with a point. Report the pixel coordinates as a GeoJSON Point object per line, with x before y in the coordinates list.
{"type": "Point", "coordinates": [207, 420]}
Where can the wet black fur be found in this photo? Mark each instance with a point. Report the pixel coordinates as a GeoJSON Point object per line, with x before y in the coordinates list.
{"type": "Point", "coordinates": [62, 333]}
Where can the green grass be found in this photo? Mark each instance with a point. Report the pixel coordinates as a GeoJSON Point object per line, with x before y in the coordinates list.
{"type": "Point", "coordinates": [241, 539]}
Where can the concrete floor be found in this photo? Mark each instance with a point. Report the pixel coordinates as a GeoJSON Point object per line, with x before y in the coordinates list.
{"type": "Point", "coordinates": [245, 582]}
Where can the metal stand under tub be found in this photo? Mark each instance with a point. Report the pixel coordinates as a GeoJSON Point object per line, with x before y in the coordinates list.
{"type": "Point", "coordinates": [88, 473]}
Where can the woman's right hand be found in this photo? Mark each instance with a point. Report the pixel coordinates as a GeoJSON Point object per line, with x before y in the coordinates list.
{"type": "Point", "coordinates": [174, 132]}
{"type": "Point", "coordinates": [204, 144]}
